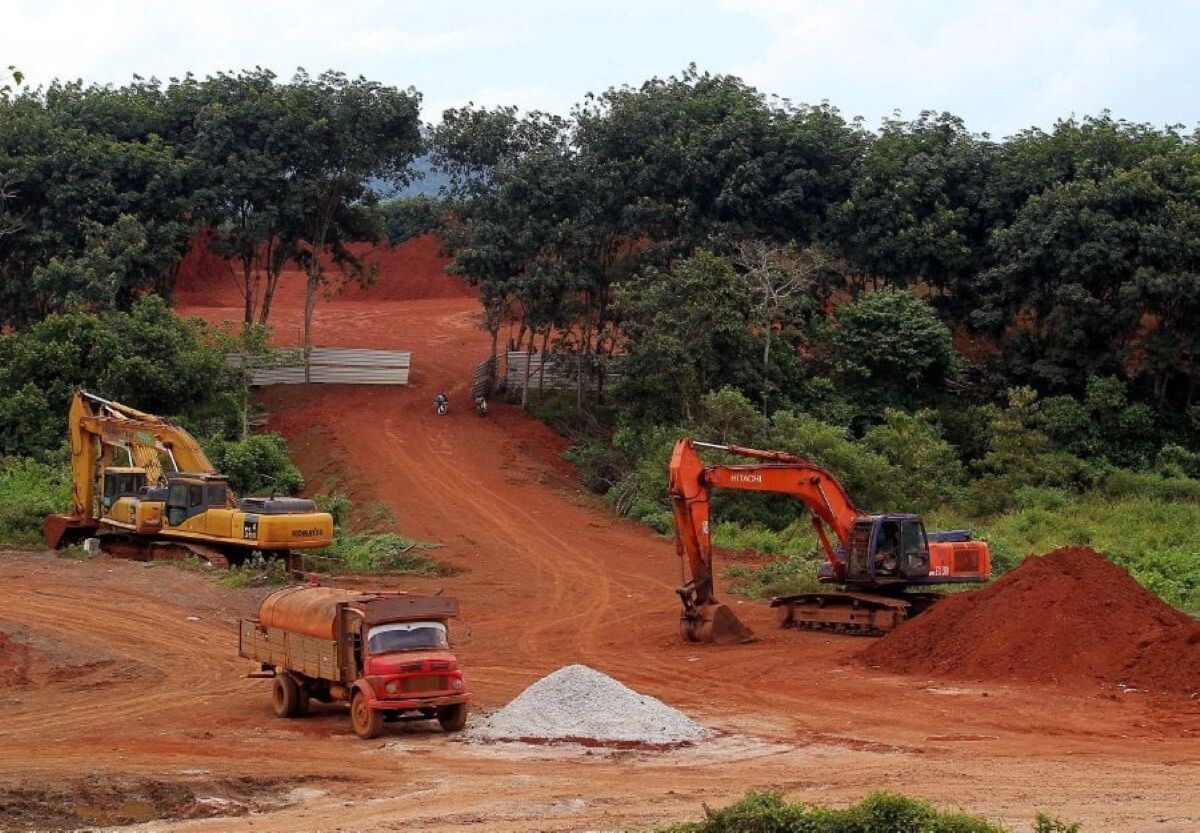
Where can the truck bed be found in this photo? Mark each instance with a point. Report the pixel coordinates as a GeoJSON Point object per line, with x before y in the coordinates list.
{"type": "Point", "coordinates": [308, 655]}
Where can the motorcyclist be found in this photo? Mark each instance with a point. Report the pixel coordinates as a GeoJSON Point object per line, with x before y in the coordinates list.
{"type": "Point", "coordinates": [441, 403]}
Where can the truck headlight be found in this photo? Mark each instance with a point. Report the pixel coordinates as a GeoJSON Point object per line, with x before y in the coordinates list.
{"type": "Point", "coordinates": [392, 687]}
{"type": "Point", "coordinates": [456, 683]}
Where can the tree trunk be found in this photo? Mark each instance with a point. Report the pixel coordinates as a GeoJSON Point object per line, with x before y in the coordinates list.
{"type": "Point", "coordinates": [542, 366]}
{"type": "Point", "coordinates": [272, 281]}
{"type": "Point", "coordinates": [310, 305]}
{"type": "Point", "coordinates": [495, 361]}
{"type": "Point", "coordinates": [766, 369]}
{"type": "Point", "coordinates": [247, 290]}
{"type": "Point", "coordinates": [528, 359]}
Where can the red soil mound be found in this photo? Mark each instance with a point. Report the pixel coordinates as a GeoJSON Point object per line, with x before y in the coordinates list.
{"type": "Point", "coordinates": [1069, 615]}
{"type": "Point", "coordinates": [413, 270]}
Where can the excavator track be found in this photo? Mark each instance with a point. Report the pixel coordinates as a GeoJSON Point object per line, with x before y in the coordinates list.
{"type": "Point", "coordinates": [860, 614]}
{"type": "Point", "coordinates": [138, 550]}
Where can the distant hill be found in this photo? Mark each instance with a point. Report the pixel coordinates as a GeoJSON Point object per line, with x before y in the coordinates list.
{"type": "Point", "coordinates": [428, 182]}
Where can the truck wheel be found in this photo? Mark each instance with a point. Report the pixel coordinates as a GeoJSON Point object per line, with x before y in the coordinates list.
{"type": "Point", "coordinates": [368, 723]}
{"type": "Point", "coordinates": [286, 696]}
{"type": "Point", "coordinates": [453, 718]}
{"type": "Point", "coordinates": [302, 700]}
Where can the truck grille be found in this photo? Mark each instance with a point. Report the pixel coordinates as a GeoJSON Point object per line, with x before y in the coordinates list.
{"type": "Point", "coordinates": [427, 682]}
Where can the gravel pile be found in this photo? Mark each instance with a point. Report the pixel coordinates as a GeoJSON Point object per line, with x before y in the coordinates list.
{"type": "Point", "coordinates": [580, 704]}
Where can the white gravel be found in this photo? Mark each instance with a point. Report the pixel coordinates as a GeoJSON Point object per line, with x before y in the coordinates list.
{"type": "Point", "coordinates": [579, 703]}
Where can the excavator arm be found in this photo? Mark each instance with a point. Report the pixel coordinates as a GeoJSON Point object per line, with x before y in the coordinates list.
{"type": "Point", "coordinates": [690, 484]}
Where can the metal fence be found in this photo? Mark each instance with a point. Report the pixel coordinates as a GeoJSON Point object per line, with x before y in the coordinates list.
{"type": "Point", "coordinates": [560, 372]}
{"type": "Point", "coordinates": [336, 365]}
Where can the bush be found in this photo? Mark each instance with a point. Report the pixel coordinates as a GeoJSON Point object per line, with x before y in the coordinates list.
{"type": "Point", "coordinates": [871, 481]}
{"type": "Point", "coordinates": [375, 553]}
{"type": "Point", "coordinates": [30, 490]}
{"type": "Point", "coordinates": [728, 417]}
{"type": "Point", "coordinates": [1125, 483]}
{"type": "Point", "coordinates": [878, 813]}
{"type": "Point", "coordinates": [928, 471]}
{"type": "Point", "coordinates": [148, 358]}
{"type": "Point", "coordinates": [257, 464]}
{"type": "Point", "coordinates": [407, 217]}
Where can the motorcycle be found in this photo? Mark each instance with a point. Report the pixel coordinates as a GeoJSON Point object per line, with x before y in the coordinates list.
{"type": "Point", "coordinates": [441, 404]}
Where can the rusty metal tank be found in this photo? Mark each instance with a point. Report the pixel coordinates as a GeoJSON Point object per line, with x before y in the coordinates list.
{"type": "Point", "coordinates": [307, 610]}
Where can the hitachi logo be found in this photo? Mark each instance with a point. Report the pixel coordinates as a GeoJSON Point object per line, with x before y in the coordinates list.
{"type": "Point", "coordinates": [746, 478]}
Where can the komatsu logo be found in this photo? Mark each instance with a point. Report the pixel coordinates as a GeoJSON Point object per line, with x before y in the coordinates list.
{"type": "Point", "coordinates": [306, 533]}
{"type": "Point", "coordinates": [746, 478]}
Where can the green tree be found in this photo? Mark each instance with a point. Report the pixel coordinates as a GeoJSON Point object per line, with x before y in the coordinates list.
{"type": "Point", "coordinates": [1020, 455]}
{"type": "Point", "coordinates": [408, 217]}
{"type": "Point", "coordinates": [889, 348]}
{"type": "Point", "coordinates": [85, 197]}
{"type": "Point", "coordinates": [1101, 272]}
{"type": "Point", "coordinates": [685, 333]}
{"type": "Point", "coordinates": [148, 358]}
{"type": "Point", "coordinates": [919, 210]}
{"type": "Point", "coordinates": [10, 80]}
{"type": "Point", "coordinates": [245, 136]}
{"type": "Point", "coordinates": [929, 472]}
{"type": "Point", "coordinates": [350, 131]}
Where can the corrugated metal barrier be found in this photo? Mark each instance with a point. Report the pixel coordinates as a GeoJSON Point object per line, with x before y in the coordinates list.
{"type": "Point", "coordinates": [336, 365]}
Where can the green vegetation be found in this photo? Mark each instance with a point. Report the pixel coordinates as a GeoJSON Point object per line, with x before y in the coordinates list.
{"type": "Point", "coordinates": [370, 552]}
{"type": "Point", "coordinates": [408, 217]}
{"type": "Point", "coordinates": [364, 543]}
{"type": "Point", "coordinates": [255, 571]}
{"type": "Point", "coordinates": [256, 464]}
{"type": "Point", "coordinates": [29, 490]}
{"type": "Point", "coordinates": [877, 813]}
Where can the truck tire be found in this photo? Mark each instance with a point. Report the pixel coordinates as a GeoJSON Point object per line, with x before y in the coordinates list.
{"type": "Point", "coordinates": [367, 722]}
{"type": "Point", "coordinates": [287, 697]}
{"type": "Point", "coordinates": [452, 718]}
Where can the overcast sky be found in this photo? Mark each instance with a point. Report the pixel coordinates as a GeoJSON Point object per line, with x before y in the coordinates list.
{"type": "Point", "coordinates": [1002, 64]}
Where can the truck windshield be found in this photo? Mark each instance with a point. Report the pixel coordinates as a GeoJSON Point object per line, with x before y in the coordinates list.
{"type": "Point", "coordinates": [406, 636]}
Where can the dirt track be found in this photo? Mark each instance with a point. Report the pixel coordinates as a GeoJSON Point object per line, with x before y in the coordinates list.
{"type": "Point", "coordinates": [549, 578]}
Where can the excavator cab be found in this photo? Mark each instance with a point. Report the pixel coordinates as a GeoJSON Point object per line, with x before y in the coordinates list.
{"type": "Point", "coordinates": [120, 482]}
{"type": "Point", "coordinates": [887, 549]}
{"type": "Point", "coordinates": [193, 493]}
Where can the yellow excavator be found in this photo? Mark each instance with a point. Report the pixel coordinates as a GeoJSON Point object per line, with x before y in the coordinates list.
{"type": "Point", "coordinates": [168, 502]}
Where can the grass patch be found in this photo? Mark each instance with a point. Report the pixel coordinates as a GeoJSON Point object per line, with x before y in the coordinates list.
{"type": "Point", "coordinates": [29, 491]}
{"type": "Point", "coordinates": [369, 552]}
{"type": "Point", "coordinates": [878, 813]}
{"type": "Point", "coordinates": [255, 571]}
{"type": "Point", "coordinates": [793, 570]}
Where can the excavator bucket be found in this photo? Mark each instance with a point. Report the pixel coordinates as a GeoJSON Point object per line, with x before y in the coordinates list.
{"type": "Point", "coordinates": [62, 530]}
{"type": "Point", "coordinates": [715, 623]}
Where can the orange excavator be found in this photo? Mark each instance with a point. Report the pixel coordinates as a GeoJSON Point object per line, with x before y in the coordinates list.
{"type": "Point", "coordinates": [873, 559]}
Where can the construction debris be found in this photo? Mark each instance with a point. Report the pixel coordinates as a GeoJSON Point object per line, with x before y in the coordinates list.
{"type": "Point", "coordinates": [581, 705]}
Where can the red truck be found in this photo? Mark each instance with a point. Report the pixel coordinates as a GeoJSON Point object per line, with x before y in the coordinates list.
{"type": "Point", "coordinates": [386, 653]}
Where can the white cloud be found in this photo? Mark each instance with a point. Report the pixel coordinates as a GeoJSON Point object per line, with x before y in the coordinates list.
{"type": "Point", "coordinates": [397, 41]}
{"type": "Point", "coordinates": [1018, 59]}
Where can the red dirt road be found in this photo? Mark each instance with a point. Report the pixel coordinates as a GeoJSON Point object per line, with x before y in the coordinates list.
{"type": "Point", "coordinates": [549, 577]}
